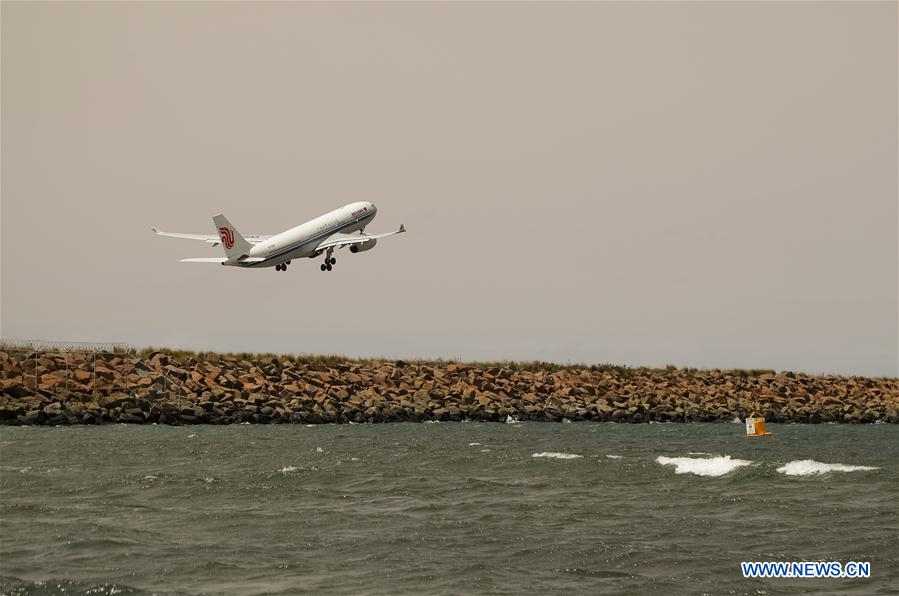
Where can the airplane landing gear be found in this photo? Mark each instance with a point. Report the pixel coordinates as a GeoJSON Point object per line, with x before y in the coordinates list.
{"type": "Point", "coordinates": [282, 266]}
{"type": "Point", "coordinates": [329, 261]}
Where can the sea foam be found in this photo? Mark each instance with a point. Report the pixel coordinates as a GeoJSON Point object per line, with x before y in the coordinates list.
{"type": "Point", "coordinates": [703, 466]}
{"type": "Point", "coordinates": [556, 455]}
{"type": "Point", "coordinates": [810, 467]}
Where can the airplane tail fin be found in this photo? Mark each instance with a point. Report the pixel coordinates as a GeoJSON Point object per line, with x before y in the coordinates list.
{"type": "Point", "coordinates": [234, 244]}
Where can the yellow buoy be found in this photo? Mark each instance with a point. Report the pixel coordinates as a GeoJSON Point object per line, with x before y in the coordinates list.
{"type": "Point", "coordinates": [755, 427]}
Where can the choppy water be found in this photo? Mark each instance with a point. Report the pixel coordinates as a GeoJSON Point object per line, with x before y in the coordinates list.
{"type": "Point", "coordinates": [443, 508]}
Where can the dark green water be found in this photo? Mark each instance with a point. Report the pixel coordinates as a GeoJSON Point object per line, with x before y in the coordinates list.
{"type": "Point", "coordinates": [442, 508]}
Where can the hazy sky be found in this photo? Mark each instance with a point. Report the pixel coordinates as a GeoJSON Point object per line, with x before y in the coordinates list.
{"type": "Point", "coordinates": [700, 184]}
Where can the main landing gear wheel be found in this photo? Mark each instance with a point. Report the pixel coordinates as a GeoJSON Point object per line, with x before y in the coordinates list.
{"type": "Point", "coordinates": [277, 267]}
{"type": "Point", "coordinates": [329, 260]}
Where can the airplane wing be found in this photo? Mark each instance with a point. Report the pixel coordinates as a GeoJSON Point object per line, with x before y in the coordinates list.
{"type": "Point", "coordinates": [341, 240]}
{"type": "Point", "coordinates": [213, 240]}
{"type": "Point", "coordinates": [221, 260]}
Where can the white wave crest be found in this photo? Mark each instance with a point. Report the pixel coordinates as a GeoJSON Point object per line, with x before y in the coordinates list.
{"type": "Point", "coordinates": [511, 420]}
{"type": "Point", "coordinates": [810, 467]}
{"type": "Point", "coordinates": [703, 466]}
{"type": "Point", "coordinates": [556, 455]}
{"type": "Point", "coordinates": [614, 456]}
{"type": "Point", "coordinates": [288, 469]}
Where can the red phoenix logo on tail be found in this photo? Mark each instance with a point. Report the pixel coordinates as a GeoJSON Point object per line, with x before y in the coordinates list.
{"type": "Point", "coordinates": [227, 237]}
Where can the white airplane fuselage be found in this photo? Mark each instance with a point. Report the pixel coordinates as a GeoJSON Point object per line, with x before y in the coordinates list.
{"type": "Point", "coordinates": [303, 240]}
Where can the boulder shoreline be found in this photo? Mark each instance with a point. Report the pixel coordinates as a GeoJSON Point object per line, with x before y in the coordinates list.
{"type": "Point", "coordinates": [59, 388]}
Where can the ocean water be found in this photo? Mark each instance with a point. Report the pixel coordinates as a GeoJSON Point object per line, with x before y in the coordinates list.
{"type": "Point", "coordinates": [449, 508]}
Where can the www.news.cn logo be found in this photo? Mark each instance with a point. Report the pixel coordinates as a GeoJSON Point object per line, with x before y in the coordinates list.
{"type": "Point", "coordinates": [832, 569]}
{"type": "Point", "coordinates": [227, 237]}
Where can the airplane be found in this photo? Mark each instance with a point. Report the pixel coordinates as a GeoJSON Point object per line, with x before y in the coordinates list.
{"type": "Point", "coordinates": [321, 235]}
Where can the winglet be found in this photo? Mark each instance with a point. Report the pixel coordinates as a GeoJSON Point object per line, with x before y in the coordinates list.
{"type": "Point", "coordinates": [402, 229]}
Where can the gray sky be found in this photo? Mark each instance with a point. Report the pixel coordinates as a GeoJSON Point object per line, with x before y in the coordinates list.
{"type": "Point", "coordinates": [701, 184]}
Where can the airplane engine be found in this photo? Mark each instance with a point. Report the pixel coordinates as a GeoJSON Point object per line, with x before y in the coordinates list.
{"type": "Point", "coordinates": [368, 245]}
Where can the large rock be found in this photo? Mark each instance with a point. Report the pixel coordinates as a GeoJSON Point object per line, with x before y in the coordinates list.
{"type": "Point", "coordinates": [226, 389]}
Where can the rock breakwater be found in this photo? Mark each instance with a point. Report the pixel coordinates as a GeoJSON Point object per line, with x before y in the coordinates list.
{"type": "Point", "coordinates": [166, 388]}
